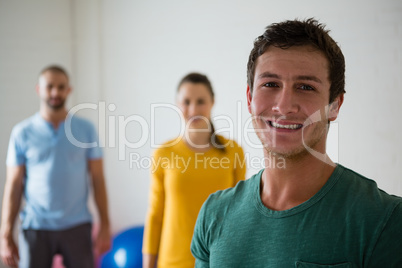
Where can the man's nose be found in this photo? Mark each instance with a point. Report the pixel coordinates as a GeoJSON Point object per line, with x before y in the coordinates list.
{"type": "Point", "coordinates": [286, 101]}
{"type": "Point", "coordinates": [54, 91]}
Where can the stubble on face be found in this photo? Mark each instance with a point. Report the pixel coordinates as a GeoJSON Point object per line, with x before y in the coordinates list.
{"type": "Point", "coordinates": [319, 132]}
{"type": "Point", "coordinates": [301, 73]}
{"type": "Point", "coordinates": [58, 106]}
{"type": "Point", "coordinates": [54, 79]}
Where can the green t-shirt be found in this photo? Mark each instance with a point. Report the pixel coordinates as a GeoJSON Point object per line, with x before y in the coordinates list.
{"type": "Point", "coordinates": [348, 223]}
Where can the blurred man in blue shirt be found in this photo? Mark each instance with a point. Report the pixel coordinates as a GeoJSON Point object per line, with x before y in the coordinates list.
{"type": "Point", "coordinates": [52, 172]}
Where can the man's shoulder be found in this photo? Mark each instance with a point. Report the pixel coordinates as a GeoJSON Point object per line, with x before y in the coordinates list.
{"type": "Point", "coordinates": [79, 121]}
{"type": "Point", "coordinates": [364, 185]}
{"type": "Point", "coordinates": [80, 128]}
{"type": "Point", "coordinates": [24, 125]}
{"type": "Point", "coordinates": [365, 192]}
{"type": "Point", "coordinates": [378, 216]}
{"type": "Point", "coordinates": [230, 193]}
{"type": "Point", "coordinates": [235, 196]}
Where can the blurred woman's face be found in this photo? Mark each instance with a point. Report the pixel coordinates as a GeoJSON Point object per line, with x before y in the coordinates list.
{"type": "Point", "coordinates": [195, 101]}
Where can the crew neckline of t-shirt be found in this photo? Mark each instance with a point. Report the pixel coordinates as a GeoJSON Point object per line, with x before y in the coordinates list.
{"type": "Point", "coordinates": [333, 179]}
{"type": "Point", "coordinates": [49, 125]}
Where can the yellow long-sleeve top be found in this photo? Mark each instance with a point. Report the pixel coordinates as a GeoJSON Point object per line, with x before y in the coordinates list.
{"type": "Point", "coordinates": [181, 181]}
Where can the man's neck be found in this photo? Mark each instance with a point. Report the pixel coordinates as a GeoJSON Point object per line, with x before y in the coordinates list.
{"type": "Point", "coordinates": [293, 183]}
{"type": "Point", "coordinates": [55, 117]}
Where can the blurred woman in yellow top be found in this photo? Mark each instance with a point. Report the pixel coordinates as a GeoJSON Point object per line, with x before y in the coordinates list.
{"type": "Point", "coordinates": [185, 172]}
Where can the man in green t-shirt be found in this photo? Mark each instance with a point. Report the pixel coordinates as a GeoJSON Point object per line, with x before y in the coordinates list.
{"type": "Point", "coordinates": [305, 210]}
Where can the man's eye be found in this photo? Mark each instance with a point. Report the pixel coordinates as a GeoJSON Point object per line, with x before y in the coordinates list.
{"type": "Point", "coordinates": [306, 87]}
{"type": "Point", "coordinates": [186, 102]}
{"type": "Point", "coordinates": [270, 84]}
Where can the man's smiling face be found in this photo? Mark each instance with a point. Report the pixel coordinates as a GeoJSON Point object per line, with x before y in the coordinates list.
{"type": "Point", "coordinates": [290, 85]}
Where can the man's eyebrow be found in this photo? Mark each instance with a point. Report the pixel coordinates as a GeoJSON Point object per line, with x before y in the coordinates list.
{"type": "Point", "coordinates": [309, 77]}
{"type": "Point", "coordinates": [268, 75]}
{"type": "Point", "coordinates": [300, 77]}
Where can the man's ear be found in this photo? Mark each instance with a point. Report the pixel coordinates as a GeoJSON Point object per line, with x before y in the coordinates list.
{"type": "Point", "coordinates": [334, 107]}
{"type": "Point", "coordinates": [37, 89]}
{"type": "Point", "coordinates": [249, 97]}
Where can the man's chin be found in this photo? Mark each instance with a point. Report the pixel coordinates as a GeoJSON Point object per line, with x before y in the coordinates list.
{"type": "Point", "coordinates": [294, 154]}
{"type": "Point", "coordinates": [298, 152]}
{"type": "Point", "coordinates": [56, 107]}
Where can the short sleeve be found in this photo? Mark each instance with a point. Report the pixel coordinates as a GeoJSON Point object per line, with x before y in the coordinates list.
{"type": "Point", "coordinates": [388, 249]}
{"type": "Point", "coordinates": [93, 152]}
{"type": "Point", "coordinates": [199, 243]}
{"type": "Point", "coordinates": [15, 153]}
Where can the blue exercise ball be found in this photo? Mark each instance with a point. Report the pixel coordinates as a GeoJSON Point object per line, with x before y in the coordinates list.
{"type": "Point", "coordinates": [126, 250]}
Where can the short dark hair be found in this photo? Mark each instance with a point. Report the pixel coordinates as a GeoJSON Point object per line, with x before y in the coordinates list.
{"type": "Point", "coordinates": [300, 33]}
{"type": "Point", "coordinates": [55, 68]}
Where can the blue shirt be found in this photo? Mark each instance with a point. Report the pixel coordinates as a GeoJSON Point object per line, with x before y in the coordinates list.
{"type": "Point", "coordinates": [56, 181]}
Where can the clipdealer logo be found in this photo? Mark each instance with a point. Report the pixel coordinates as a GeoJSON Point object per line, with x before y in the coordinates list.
{"type": "Point", "coordinates": [200, 161]}
{"type": "Point", "coordinates": [114, 136]}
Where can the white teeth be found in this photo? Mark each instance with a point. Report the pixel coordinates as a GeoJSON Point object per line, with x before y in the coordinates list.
{"type": "Point", "coordinates": [294, 126]}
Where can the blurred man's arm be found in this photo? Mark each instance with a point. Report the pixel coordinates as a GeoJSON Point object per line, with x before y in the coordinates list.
{"type": "Point", "coordinates": [102, 243]}
{"type": "Point", "coordinates": [11, 204]}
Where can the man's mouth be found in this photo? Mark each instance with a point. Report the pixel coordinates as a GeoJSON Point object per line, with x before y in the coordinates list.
{"type": "Point", "coordinates": [287, 126]}
{"type": "Point", "coordinates": [55, 100]}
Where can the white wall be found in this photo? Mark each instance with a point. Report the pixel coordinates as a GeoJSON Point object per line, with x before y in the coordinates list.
{"type": "Point", "coordinates": [32, 35]}
{"type": "Point", "coordinates": [133, 53]}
